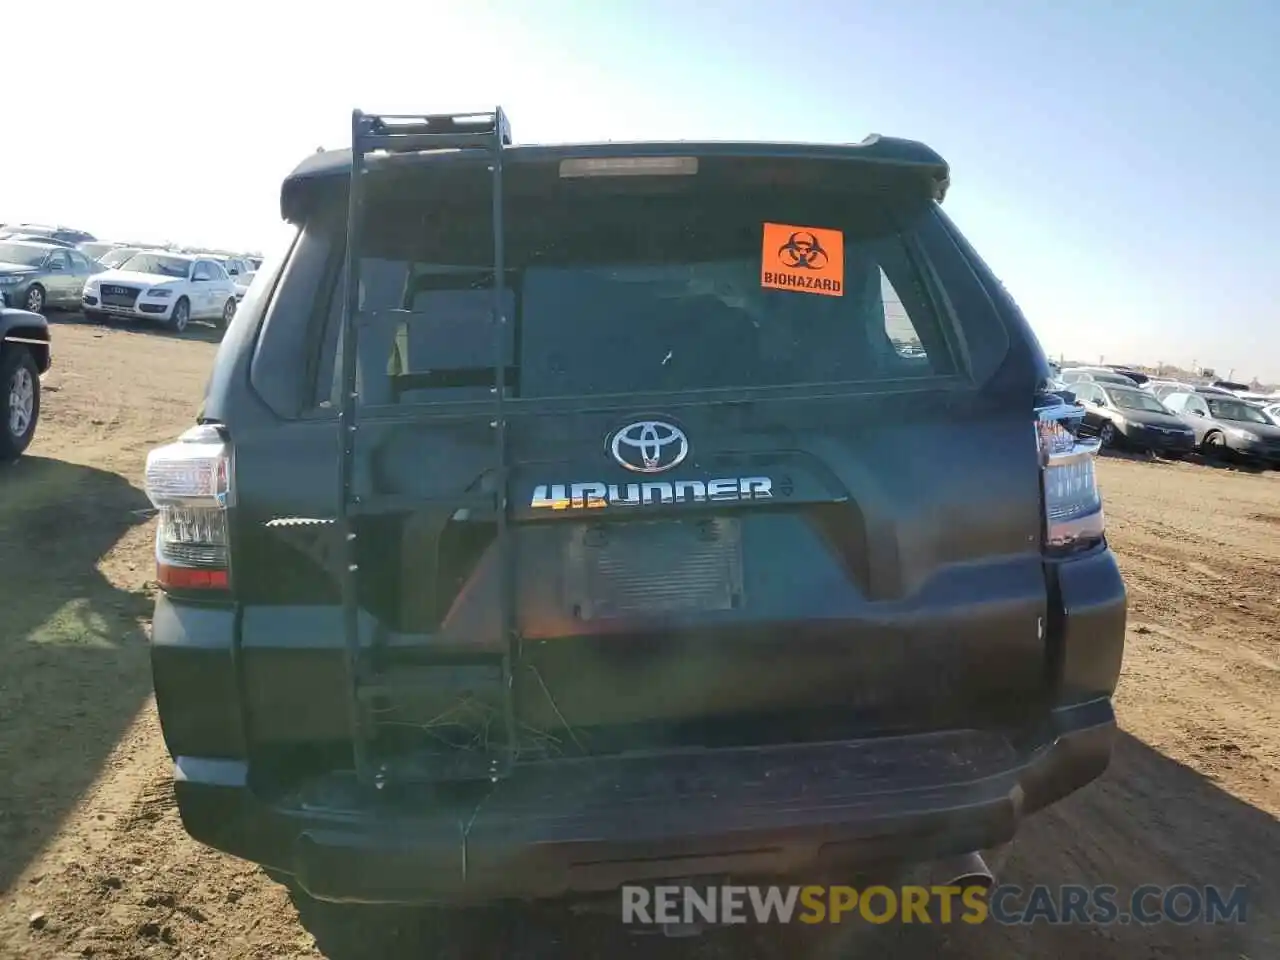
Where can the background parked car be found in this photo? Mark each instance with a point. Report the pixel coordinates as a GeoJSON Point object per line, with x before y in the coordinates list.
{"type": "Point", "coordinates": [65, 234]}
{"type": "Point", "coordinates": [1132, 417]}
{"type": "Point", "coordinates": [26, 355]}
{"type": "Point", "coordinates": [1164, 388]}
{"type": "Point", "coordinates": [1072, 375]}
{"type": "Point", "coordinates": [1231, 386]}
{"type": "Point", "coordinates": [119, 255]}
{"type": "Point", "coordinates": [1136, 376]}
{"type": "Point", "coordinates": [168, 287]}
{"type": "Point", "coordinates": [97, 249]}
{"type": "Point", "coordinates": [34, 275]}
{"type": "Point", "coordinates": [239, 270]}
{"type": "Point", "coordinates": [38, 238]}
{"type": "Point", "coordinates": [1226, 426]}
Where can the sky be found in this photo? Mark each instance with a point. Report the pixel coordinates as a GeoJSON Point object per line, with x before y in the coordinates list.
{"type": "Point", "coordinates": [1113, 162]}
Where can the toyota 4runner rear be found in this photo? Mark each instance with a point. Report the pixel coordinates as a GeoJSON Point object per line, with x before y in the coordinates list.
{"type": "Point", "coordinates": [561, 517]}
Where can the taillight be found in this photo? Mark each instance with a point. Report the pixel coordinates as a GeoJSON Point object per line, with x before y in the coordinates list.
{"type": "Point", "coordinates": [1072, 503]}
{"type": "Point", "coordinates": [190, 484]}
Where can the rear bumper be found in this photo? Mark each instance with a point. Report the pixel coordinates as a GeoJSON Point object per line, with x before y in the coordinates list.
{"type": "Point", "coordinates": [1159, 441]}
{"type": "Point", "coordinates": [1257, 452]}
{"type": "Point", "coordinates": [592, 825]}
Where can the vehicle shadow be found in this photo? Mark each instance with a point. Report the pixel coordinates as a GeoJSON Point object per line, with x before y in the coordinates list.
{"type": "Point", "coordinates": [1222, 463]}
{"type": "Point", "coordinates": [204, 332]}
{"type": "Point", "coordinates": [196, 330]}
{"type": "Point", "coordinates": [1149, 820]}
{"type": "Point", "coordinates": [73, 657]}
{"type": "Point", "coordinates": [1195, 458]}
{"type": "Point", "coordinates": [1134, 456]}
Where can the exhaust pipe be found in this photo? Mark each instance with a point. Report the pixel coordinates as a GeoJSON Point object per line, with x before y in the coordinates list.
{"type": "Point", "coordinates": [966, 870]}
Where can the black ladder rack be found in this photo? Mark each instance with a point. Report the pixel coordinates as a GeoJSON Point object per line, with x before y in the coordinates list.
{"type": "Point", "coordinates": [489, 133]}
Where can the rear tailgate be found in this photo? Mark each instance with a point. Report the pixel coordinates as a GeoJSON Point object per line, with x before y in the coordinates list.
{"type": "Point", "coordinates": [768, 478]}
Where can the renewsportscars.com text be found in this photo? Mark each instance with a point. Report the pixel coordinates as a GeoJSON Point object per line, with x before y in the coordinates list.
{"type": "Point", "coordinates": [1005, 904]}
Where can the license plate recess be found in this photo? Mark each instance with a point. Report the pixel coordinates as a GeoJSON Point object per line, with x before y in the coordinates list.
{"type": "Point", "coordinates": [653, 568]}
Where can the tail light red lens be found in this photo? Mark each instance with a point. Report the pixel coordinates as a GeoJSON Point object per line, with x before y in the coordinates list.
{"type": "Point", "coordinates": [190, 484]}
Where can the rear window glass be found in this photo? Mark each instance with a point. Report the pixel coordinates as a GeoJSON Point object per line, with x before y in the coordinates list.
{"type": "Point", "coordinates": [627, 294]}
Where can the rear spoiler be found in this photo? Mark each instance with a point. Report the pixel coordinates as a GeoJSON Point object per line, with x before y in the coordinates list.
{"type": "Point", "coordinates": [332, 168]}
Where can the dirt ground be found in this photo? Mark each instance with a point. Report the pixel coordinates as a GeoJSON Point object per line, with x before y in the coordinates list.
{"type": "Point", "coordinates": [94, 863]}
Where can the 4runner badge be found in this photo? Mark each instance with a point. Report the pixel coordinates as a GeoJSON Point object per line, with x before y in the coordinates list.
{"type": "Point", "coordinates": [595, 494]}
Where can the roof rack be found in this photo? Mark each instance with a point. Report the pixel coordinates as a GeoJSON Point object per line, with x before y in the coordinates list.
{"type": "Point", "coordinates": [397, 133]}
{"type": "Point", "coordinates": [370, 133]}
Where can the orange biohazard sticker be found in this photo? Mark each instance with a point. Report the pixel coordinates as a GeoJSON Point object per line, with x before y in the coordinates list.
{"type": "Point", "coordinates": [804, 259]}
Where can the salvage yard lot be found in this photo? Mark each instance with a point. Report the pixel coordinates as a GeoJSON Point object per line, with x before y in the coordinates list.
{"type": "Point", "coordinates": [93, 861]}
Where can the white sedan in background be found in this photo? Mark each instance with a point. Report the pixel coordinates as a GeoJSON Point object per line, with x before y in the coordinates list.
{"type": "Point", "coordinates": [240, 271]}
{"type": "Point", "coordinates": [172, 288]}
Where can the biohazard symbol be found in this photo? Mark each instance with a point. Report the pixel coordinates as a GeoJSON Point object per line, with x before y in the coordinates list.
{"type": "Point", "coordinates": [803, 259]}
{"type": "Point", "coordinates": [803, 251]}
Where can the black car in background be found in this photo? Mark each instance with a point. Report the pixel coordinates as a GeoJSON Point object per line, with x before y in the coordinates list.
{"type": "Point", "coordinates": [25, 354]}
{"type": "Point", "coordinates": [1137, 376]}
{"type": "Point", "coordinates": [1132, 417]}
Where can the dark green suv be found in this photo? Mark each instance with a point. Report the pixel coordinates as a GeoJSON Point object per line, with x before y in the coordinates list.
{"type": "Point", "coordinates": [567, 516]}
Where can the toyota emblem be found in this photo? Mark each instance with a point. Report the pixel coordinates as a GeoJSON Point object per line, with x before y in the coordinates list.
{"type": "Point", "coordinates": [649, 446]}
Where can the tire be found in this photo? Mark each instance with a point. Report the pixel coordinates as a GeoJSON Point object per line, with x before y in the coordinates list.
{"type": "Point", "coordinates": [35, 300]}
{"type": "Point", "coordinates": [228, 313]}
{"type": "Point", "coordinates": [1214, 445]}
{"type": "Point", "coordinates": [95, 316]}
{"type": "Point", "coordinates": [1107, 434]}
{"type": "Point", "coordinates": [181, 315]}
{"type": "Point", "coordinates": [19, 401]}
